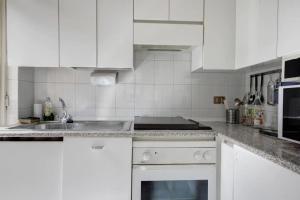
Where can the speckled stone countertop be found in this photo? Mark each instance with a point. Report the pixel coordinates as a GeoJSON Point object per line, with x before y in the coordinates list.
{"type": "Point", "coordinates": [279, 151]}
{"type": "Point", "coordinates": [151, 134]}
{"type": "Point", "coordinates": [284, 153]}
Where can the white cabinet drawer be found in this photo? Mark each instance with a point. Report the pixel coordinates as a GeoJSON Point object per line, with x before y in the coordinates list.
{"type": "Point", "coordinates": [168, 34]}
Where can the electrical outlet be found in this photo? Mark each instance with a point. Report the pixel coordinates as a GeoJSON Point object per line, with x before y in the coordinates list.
{"type": "Point", "coordinates": [219, 99]}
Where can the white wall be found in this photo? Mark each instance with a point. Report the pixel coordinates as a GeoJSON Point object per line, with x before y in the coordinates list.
{"type": "Point", "coordinates": [161, 85]}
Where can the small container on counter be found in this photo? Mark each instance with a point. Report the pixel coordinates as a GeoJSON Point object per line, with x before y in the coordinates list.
{"type": "Point", "coordinates": [232, 116]}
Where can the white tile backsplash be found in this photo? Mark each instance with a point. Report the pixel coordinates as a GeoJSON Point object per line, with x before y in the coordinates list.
{"type": "Point", "coordinates": [160, 85]}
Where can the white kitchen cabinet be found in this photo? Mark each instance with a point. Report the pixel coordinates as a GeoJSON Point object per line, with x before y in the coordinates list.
{"type": "Point", "coordinates": [151, 10]}
{"type": "Point", "coordinates": [30, 170]}
{"type": "Point", "coordinates": [186, 10]}
{"type": "Point", "coordinates": [32, 33]}
{"type": "Point", "coordinates": [219, 35]}
{"type": "Point", "coordinates": [227, 171]}
{"type": "Point", "coordinates": [288, 27]}
{"type": "Point", "coordinates": [115, 34]}
{"type": "Point", "coordinates": [256, 31]}
{"type": "Point", "coordinates": [78, 31]}
{"type": "Point", "coordinates": [258, 178]}
{"type": "Point", "coordinates": [168, 34]}
{"type": "Point", "coordinates": [97, 168]}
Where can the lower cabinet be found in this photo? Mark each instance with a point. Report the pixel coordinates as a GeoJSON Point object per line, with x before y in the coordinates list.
{"type": "Point", "coordinates": [258, 178]}
{"type": "Point", "coordinates": [97, 168]}
{"type": "Point", "coordinates": [30, 170]}
{"type": "Point", "coordinates": [247, 176]}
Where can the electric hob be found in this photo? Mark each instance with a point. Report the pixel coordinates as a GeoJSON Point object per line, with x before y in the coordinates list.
{"type": "Point", "coordinates": [167, 123]}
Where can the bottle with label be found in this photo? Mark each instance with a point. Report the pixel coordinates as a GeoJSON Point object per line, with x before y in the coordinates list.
{"type": "Point", "coordinates": [48, 110]}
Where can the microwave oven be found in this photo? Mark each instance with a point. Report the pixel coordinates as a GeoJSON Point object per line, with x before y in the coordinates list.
{"type": "Point", "coordinates": [289, 113]}
{"type": "Point", "coordinates": [291, 68]}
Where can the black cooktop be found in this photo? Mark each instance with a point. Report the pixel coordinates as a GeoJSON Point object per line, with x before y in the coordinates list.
{"type": "Point", "coordinates": [167, 123]}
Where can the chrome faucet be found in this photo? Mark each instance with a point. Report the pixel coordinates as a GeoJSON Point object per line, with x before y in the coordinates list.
{"type": "Point", "coordinates": [66, 117]}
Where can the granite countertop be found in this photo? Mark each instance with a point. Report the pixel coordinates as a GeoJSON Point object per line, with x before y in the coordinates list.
{"type": "Point", "coordinates": [282, 152]}
{"type": "Point", "coordinates": [279, 151]}
{"type": "Point", "coordinates": [151, 134]}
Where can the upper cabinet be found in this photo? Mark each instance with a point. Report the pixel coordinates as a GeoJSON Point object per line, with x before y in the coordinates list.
{"type": "Point", "coordinates": [115, 34]}
{"type": "Point", "coordinates": [151, 10]}
{"type": "Point", "coordinates": [32, 33]}
{"type": "Point", "coordinates": [219, 35]}
{"type": "Point", "coordinates": [186, 10]}
{"type": "Point", "coordinates": [288, 27]}
{"type": "Point", "coordinates": [256, 31]}
{"type": "Point", "coordinates": [78, 41]}
{"type": "Point", "coordinates": [169, 10]}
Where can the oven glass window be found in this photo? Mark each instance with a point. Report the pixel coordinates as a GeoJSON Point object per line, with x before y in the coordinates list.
{"type": "Point", "coordinates": [292, 68]}
{"type": "Point", "coordinates": [175, 190]}
{"type": "Point", "coordinates": [291, 113]}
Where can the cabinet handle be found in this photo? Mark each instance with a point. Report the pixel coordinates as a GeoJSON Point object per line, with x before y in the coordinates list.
{"type": "Point", "coordinates": [97, 147]}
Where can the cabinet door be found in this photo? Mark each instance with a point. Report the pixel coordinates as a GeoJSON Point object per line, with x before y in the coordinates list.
{"type": "Point", "coordinates": [78, 43]}
{"type": "Point", "coordinates": [115, 33]}
{"type": "Point", "coordinates": [256, 31]}
{"type": "Point", "coordinates": [32, 33]}
{"type": "Point", "coordinates": [227, 171]}
{"type": "Point", "coordinates": [258, 178]}
{"type": "Point", "coordinates": [288, 27]}
{"type": "Point", "coordinates": [219, 35]}
{"type": "Point", "coordinates": [30, 170]}
{"type": "Point", "coordinates": [186, 10]}
{"type": "Point", "coordinates": [97, 168]}
{"type": "Point", "coordinates": [151, 10]}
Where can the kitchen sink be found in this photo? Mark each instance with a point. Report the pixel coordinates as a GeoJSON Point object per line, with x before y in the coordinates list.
{"type": "Point", "coordinates": [78, 126]}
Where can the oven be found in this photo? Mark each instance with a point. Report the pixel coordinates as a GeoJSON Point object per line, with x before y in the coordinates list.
{"type": "Point", "coordinates": [291, 68]}
{"type": "Point", "coordinates": [174, 170]}
{"type": "Point", "coordinates": [289, 113]}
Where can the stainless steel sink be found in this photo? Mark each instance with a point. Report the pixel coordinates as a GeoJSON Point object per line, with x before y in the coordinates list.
{"type": "Point", "coordinates": [79, 126]}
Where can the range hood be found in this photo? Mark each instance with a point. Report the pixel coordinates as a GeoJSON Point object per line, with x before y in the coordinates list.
{"type": "Point", "coordinates": [167, 36]}
{"type": "Point", "coordinates": [161, 47]}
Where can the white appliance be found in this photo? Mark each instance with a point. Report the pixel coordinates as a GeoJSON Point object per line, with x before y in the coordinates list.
{"type": "Point", "coordinates": [174, 170]}
{"type": "Point", "coordinates": [291, 68]}
{"type": "Point", "coordinates": [289, 113]}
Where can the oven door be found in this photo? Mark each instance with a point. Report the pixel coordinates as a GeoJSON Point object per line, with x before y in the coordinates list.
{"type": "Point", "coordinates": [169, 182]}
{"type": "Point", "coordinates": [289, 113]}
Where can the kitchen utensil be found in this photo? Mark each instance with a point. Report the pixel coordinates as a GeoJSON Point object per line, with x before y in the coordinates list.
{"type": "Point", "coordinates": [238, 103]}
{"type": "Point", "coordinates": [226, 104]}
{"type": "Point", "coordinates": [251, 95]}
{"type": "Point", "coordinates": [262, 98]}
{"type": "Point", "coordinates": [271, 92]}
{"type": "Point", "coordinates": [233, 116]}
{"type": "Point", "coordinates": [257, 100]}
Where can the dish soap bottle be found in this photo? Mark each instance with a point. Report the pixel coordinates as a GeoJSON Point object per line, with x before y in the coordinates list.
{"type": "Point", "coordinates": [48, 110]}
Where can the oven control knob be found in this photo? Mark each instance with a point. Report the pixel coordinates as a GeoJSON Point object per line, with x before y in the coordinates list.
{"type": "Point", "coordinates": [198, 155]}
{"type": "Point", "coordinates": [146, 156]}
{"type": "Point", "coordinates": [207, 155]}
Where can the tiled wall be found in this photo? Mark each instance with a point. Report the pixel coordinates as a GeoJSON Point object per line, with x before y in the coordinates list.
{"type": "Point", "coordinates": [160, 85]}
